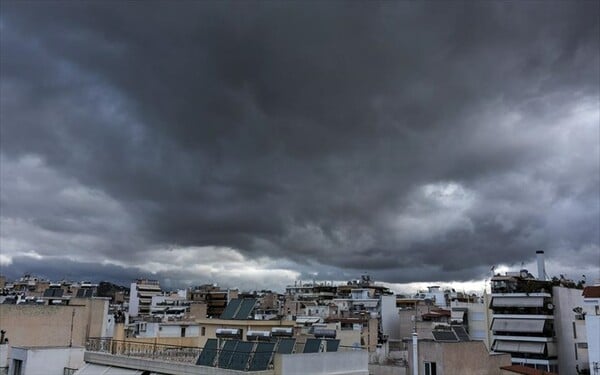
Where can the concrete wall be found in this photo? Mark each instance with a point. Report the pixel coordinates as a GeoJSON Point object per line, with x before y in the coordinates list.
{"type": "Point", "coordinates": [472, 358]}
{"type": "Point", "coordinates": [565, 299]}
{"type": "Point", "coordinates": [405, 318]}
{"type": "Point", "coordinates": [198, 310]}
{"type": "Point", "coordinates": [44, 325]}
{"type": "Point", "coordinates": [3, 355]}
{"type": "Point", "coordinates": [390, 320]}
{"type": "Point", "coordinates": [173, 330]}
{"type": "Point", "coordinates": [375, 369]}
{"type": "Point", "coordinates": [465, 358]}
{"type": "Point", "coordinates": [47, 361]}
{"type": "Point", "coordinates": [592, 323]}
{"type": "Point", "coordinates": [54, 325]}
{"type": "Point", "coordinates": [134, 301]}
{"type": "Point", "coordinates": [347, 362]}
{"type": "Point", "coordinates": [349, 337]}
{"type": "Point", "coordinates": [477, 320]}
{"type": "Point", "coordinates": [97, 309]}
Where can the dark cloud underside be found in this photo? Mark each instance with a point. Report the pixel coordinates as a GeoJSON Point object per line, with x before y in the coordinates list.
{"type": "Point", "coordinates": [361, 136]}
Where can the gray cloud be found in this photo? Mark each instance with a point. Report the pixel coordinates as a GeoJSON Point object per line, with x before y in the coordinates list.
{"type": "Point", "coordinates": [380, 137]}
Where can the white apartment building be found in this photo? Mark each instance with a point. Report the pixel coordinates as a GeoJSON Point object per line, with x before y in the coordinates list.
{"type": "Point", "coordinates": [140, 296]}
{"type": "Point", "coordinates": [591, 312]}
{"type": "Point", "coordinates": [539, 322]}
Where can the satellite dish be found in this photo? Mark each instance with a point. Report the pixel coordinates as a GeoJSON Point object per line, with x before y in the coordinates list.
{"type": "Point", "coordinates": [550, 306]}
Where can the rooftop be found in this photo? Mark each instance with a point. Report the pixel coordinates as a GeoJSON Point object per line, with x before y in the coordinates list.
{"type": "Point", "coordinates": [591, 291]}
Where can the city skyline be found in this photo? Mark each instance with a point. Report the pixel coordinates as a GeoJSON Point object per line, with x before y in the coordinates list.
{"type": "Point", "coordinates": [258, 143]}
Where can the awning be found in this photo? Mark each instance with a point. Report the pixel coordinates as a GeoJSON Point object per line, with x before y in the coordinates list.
{"type": "Point", "coordinates": [518, 325]}
{"type": "Point", "coordinates": [306, 319]}
{"type": "Point", "coordinates": [519, 347]}
{"type": "Point", "coordinates": [145, 294]}
{"type": "Point", "coordinates": [518, 302]}
{"type": "Point", "coordinates": [93, 369]}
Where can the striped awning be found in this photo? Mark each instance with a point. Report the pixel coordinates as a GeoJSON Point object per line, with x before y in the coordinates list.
{"type": "Point", "coordinates": [519, 347]}
{"type": "Point", "coordinates": [518, 325]}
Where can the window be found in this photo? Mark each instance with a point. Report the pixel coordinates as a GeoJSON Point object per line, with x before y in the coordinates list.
{"type": "Point", "coordinates": [17, 367]}
{"type": "Point", "coordinates": [576, 356]}
{"type": "Point", "coordinates": [430, 368]}
{"type": "Point", "coordinates": [203, 331]}
{"type": "Point", "coordinates": [574, 331]}
{"type": "Point", "coordinates": [582, 345]}
{"type": "Point", "coordinates": [182, 331]}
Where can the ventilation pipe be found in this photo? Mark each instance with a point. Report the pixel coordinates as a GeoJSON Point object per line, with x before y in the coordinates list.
{"type": "Point", "coordinates": [415, 344]}
{"type": "Point", "coordinates": [541, 265]}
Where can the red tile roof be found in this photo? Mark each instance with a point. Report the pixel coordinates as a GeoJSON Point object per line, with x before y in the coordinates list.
{"type": "Point", "coordinates": [524, 370]}
{"type": "Point", "coordinates": [591, 292]}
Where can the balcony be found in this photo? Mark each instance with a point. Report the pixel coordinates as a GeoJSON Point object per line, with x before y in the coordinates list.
{"type": "Point", "coordinates": [171, 353]}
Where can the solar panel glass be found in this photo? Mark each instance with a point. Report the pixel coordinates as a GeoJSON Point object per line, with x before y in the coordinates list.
{"type": "Point", "coordinates": [461, 333]}
{"type": "Point", "coordinates": [226, 353]}
{"type": "Point", "coordinates": [312, 346]}
{"type": "Point", "coordinates": [332, 345]}
{"type": "Point", "coordinates": [262, 356]}
{"type": "Point", "coordinates": [286, 346]}
{"type": "Point", "coordinates": [241, 356]}
{"type": "Point", "coordinates": [245, 309]}
{"type": "Point", "coordinates": [208, 354]}
{"type": "Point", "coordinates": [231, 309]}
{"type": "Point", "coordinates": [444, 336]}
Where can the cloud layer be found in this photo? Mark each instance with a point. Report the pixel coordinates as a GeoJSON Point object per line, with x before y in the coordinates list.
{"type": "Point", "coordinates": [412, 141]}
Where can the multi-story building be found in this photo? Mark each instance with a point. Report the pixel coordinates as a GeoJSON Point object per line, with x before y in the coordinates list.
{"type": "Point", "coordinates": [571, 335]}
{"type": "Point", "coordinates": [140, 296]}
{"type": "Point", "coordinates": [591, 313]}
{"type": "Point", "coordinates": [216, 299]}
{"type": "Point", "coordinates": [523, 320]}
{"type": "Point", "coordinates": [537, 321]}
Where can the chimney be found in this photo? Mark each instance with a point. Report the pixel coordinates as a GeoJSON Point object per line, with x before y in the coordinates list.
{"type": "Point", "coordinates": [415, 353]}
{"type": "Point", "coordinates": [541, 265]}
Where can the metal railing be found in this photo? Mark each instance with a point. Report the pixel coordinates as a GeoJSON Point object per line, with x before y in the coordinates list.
{"type": "Point", "coordinates": [148, 350]}
{"type": "Point", "coordinates": [171, 353]}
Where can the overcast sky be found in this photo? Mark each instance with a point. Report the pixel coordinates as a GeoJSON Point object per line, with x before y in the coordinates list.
{"type": "Point", "coordinates": [255, 143]}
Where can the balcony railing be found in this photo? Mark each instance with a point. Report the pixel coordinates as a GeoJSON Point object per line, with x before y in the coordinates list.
{"type": "Point", "coordinates": [171, 353]}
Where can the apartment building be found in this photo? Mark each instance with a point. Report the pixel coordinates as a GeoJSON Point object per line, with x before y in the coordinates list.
{"type": "Point", "coordinates": [538, 321]}
{"type": "Point", "coordinates": [216, 299]}
{"type": "Point", "coordinates": [591, 314]}
{"type": "Point", "coordinates": [140, 296]}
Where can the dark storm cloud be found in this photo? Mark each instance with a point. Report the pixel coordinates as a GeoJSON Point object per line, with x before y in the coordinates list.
{"type": "Point", "coordinates": [357, 136]}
